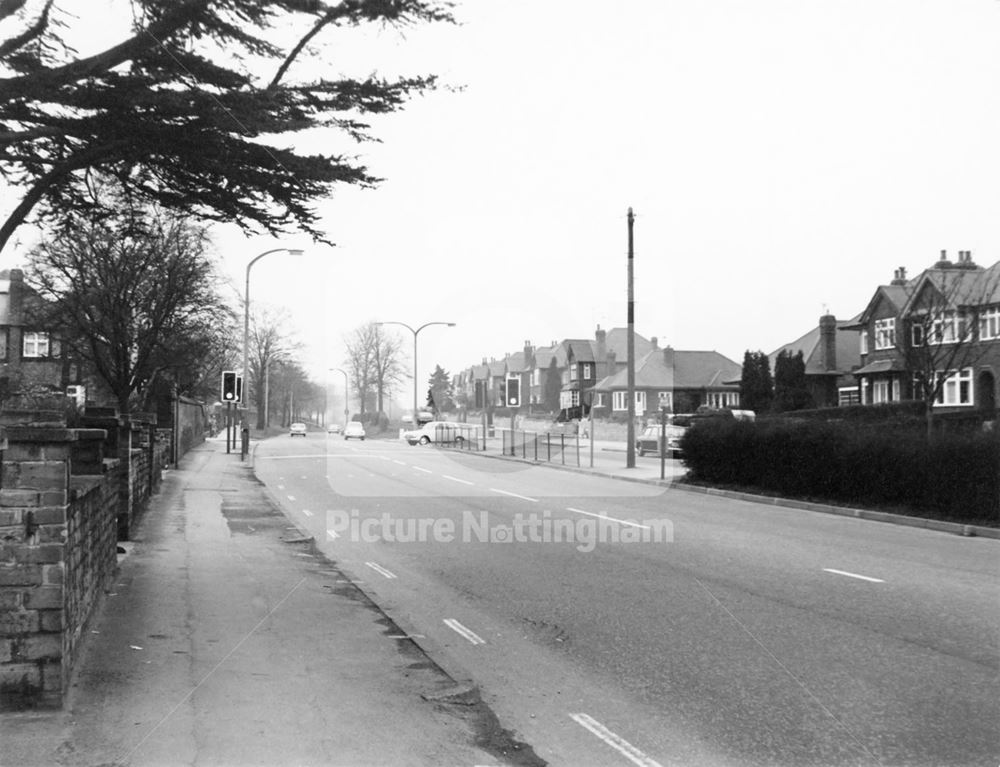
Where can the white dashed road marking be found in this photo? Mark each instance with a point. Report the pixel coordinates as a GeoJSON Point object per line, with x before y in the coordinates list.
{"type": "Point", "coordinates": [852, 575]}
{"type": "Point", "coordinates": [425, 471]}
{"type": "Point", "coordinates": [616, 742]}
{"type": "Point", "coordinates": [331, 534]}
{"type": "Point", "coordinates": [472, 636]}
{"type": "Point", "coordinates": [456, 479]}
{"type": "Point", "coordinates": [381, 570]}
{"type": "Point", "coordinates": [291, 498]}
{"type": "Point", "coordinates": [514, 495]}
{"type": "Point", "coordinates": [307, 512]}
{"type": "Point", "coordinates": [610, 519]}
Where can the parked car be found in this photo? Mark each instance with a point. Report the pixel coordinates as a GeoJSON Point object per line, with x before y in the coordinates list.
{"type": "Point", "coordinates": [441, 432]}
{"type": "Point", "coordinates": [333, 428]}
{"type": "Point", "coordinates": [354, 430]}
{"type": "Point", "coordinates": [651, 440]}
{"type": "Point", "coordinates": [297, 430]}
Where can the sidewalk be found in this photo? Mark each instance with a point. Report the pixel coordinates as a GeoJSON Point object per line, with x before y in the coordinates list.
{"type": "Point", "coordinates": [228, 640]}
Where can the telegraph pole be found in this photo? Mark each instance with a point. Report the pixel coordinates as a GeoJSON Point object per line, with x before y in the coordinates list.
{"type": "Point", "coordinates": [630, 448]}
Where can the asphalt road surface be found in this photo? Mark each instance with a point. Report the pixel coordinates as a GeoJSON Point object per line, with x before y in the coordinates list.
{"type": "Point", "coordinates": [616, 623]}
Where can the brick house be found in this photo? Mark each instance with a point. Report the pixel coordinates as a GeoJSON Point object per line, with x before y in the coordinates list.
{"type": "Point", "coordinates": [943, 323]}
{"type": "Point", "coordinates": [830, 357]}
{"type": "Point", "coordinates": [584, 362]}
{"type": "Point", "coordinates": [679, 380]}
{"type": "Point", "coordinates": [31, 359]}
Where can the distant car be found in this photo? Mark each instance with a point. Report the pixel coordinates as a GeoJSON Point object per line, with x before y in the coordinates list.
{"type": "Point", "coordinates": [297, 429]}
{"type": "Point", "coordinates": [354, 429]}
{"type": "Point", "coordinates": [441, 432]}
{"type": "Point", "coordinates": [333, 428]}
{"type": "Point", "coordinates": [651, 440]}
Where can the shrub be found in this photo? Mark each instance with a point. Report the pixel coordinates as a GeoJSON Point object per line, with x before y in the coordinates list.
{"type": "Point", "coordinates": [954, 475]}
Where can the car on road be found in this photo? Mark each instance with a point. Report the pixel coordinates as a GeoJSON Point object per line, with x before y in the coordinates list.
{"type": "Point", "coordinates": [354, 430]}
{"type": "Point", "coordinates": [333, 428]}
{"type": "Point", "coordinates": [651, 440]}
{"type": "Point", "coordinates": [297, 430]}
{"type": "Point", "coordinates": [442, 432]}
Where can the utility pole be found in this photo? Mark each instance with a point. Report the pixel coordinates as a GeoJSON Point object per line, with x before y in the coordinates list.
{"type": "Point", "coordinates": [630, 448]}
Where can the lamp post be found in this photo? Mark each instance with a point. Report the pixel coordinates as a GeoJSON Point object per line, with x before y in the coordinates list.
{"type": "Point", "coordinates": [347, 394]}
{"type": "Point", "coordinates": [246, 323]}
{"type": "Point", "coordinates": [415, 332]}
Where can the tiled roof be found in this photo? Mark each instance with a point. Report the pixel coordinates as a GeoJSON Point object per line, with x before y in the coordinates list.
{"type": "Point", "coordinates": [848, 349]}
{"type": "Point", "coordinates": [690, 370]}
{"type": "Point", "coordinates": [617, 342]}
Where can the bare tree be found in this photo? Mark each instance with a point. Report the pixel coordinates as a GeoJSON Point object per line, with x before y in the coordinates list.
{"type": "Point", "coordinates": [135, 295]}
{"type": "Point", "coordinates": [269, 344]}
{"type": "Point", "coordinates": [374, 364]}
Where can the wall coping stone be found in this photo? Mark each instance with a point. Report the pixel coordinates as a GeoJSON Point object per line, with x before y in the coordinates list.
{"type": "Point", "coordinates": [40, 434]}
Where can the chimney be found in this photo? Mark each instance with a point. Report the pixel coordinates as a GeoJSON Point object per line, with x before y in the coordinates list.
{"type": "Point", "coordinates": [943, 263]}
{"type": "Point", "coordinates": [612, 360]}
{"type": "Point", "coordinates": [668, 356]}
{"type": "Point", "coordinates": [899, 276]}
{"type": "Point", "coordinates": [600, 335]}
{"type": "Point", "coordinates": [828, 341]}
{"type": "Point", "coordinates": [16, 275]}
{"type": "Point", "coordinates": [601, 353]}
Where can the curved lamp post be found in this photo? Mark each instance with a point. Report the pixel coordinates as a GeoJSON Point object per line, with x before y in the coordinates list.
{"type": "Point", "coordinates": [246, 324]}
{"type": "Point", "coordinates": [415, 333]}
{"type": "Point", "coordinates": [347, 394]}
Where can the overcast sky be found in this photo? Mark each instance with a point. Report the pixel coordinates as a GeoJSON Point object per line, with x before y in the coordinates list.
{"type": "Point", "coordinates": [782, 157]}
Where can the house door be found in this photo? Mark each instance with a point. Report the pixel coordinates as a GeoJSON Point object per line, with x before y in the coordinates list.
{"type": "Point", "coordinates": [986, 389]}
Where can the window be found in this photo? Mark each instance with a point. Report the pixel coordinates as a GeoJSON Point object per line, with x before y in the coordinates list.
{"type": "Point", "coordinates": [588, 370]}
{"type": "Point", "coordinates": [598, 400]}
{"type": "Point", "coordinates": [885, 333]}
{"type": "Point", "coordinates": [536, 377]}
{"type": "Point", "coordinates": [665, 399]}
{"type": "Point", "coordinates": [917, 334]}
{"type": "Point", "coordinates": [640, 402]}
{"type": "Point", "coordinates": [864, 341]}
{"type": "Point", "coordinates": [957, 389]}
{"type": "Point", "coordinates": [722, 399]}
{"type": "Point", "coordinates": [948, 328]}
{"type": "Point", "coordinates": [35, 345]}
{"type": "Point", "coordinates": [574, 373]}
{"type": "Point", "coordinates": [885, 390]}
{"type": "Point", "coordinates": [619, 400]}
{"type": "Point", "coordinates": [989, 324]}
{"type": "Point", "coordinates": [3, 343]}
{"type": "Point", "coordinates": [849, 396]}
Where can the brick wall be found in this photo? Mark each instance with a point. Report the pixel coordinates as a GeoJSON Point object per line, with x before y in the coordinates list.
{"type": "Point", "coordinates": [61, 515]}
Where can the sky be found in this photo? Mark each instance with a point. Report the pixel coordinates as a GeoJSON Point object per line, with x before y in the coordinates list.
{"type": "Point", "coordinates": [782, 158]}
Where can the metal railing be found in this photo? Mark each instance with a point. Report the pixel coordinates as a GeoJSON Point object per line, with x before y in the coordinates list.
{"type": "Point", "coordinates": [541, 446]}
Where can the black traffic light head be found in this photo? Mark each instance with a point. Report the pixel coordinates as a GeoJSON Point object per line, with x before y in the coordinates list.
{"type": "Point", "coordinates": [513, 392]}
{"type": "Point", "coordinates": [229, 390]}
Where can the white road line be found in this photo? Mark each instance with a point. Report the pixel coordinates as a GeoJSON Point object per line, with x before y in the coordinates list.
{"type": "Point", "coordinates": [456, 479]}
{"type": "Point", "coordinates": [472, 636]}
{"type": "Point", "coordinates": [307, 512]}
{"type": "Point", "coordinates": [852, 575]}
{"type": "Point", "coordinates": [616, 742]}
{"type": "Point", "coordinates": [514, 495]}
{"type": "Point", "coordinates": [291, 497]}
{"type": "Point", "coordinates": [401, 463]}
{"type": "Point", "coordinates": [281, 487]}
{"type": "Point", "coordinates": [425, 471]}
{"type": "Point", "coordinates": [332, 534]}
{"type": "Point", "coordinates": [381, 570]}
{"type": "Point", "coordinates": [610, 519]}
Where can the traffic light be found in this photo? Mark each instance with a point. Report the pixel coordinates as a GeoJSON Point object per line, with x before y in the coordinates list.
{"type": "Point", "coordinates": [513, 392]}
{"type": "Point", "coordinates": [230, 393]}
{"type": "Point", "coordinates": [239, 388]}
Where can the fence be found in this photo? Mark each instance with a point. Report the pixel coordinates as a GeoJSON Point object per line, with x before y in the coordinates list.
{"type": "Point", "coordinates": [541, 446]}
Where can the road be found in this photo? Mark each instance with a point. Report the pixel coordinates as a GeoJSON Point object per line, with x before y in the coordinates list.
{"type": "Point", "coordinates": [698, 630]}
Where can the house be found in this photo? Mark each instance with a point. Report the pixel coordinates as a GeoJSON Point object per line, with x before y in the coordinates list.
{"type": "Point", "coordinates": [31, 359]}
{"type": "Point", "coordinates": [679, 380]}
{"type": "Point", "coordinates": [584, 362]}
{"type": "Point", "coordinates": [830, 358]}
{"type": "Point", "coordinates": [939, 330]}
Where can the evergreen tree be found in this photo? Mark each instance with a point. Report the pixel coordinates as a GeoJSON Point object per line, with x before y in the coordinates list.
{"type": "Point", "coordinates": [439, 395]}
{"type": "Point", "coordinates": [790, 391]}
{"type": "Point", "coordinates": [553, 386]}
{"type": "Point", "coordinates": [756, 385]}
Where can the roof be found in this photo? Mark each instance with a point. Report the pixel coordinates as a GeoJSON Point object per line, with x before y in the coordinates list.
{"type": "Point", "coordinates": [690, 370]}
{"type": "Point", "coordinates": [881, 366]}
{"type": "Point", "coordinates": [616, 341]}
{"type": "Point", "coordinates": [959, 287]}
{"type": "Point", "coordinates": [848, 350]}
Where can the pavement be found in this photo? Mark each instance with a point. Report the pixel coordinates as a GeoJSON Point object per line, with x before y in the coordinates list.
{"type": "Point", "coordinates": [228, 639]}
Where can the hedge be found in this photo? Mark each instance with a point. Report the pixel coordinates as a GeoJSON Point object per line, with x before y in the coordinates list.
{"type": "Point", "coordinates": [954, 475]}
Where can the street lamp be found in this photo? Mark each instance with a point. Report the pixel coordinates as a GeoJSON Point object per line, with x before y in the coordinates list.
{"type": "Point", "coordinates": [246, 323]}
{"type": "Point", "coordinates": [347, 394]}
{"type": "Point", "coordinates": [415, 332]}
